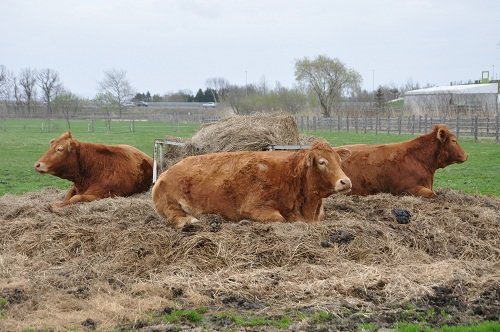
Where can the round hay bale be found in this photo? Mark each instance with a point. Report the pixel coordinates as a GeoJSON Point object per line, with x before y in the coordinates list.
{"type": "Point", "coordinates": [245, 133]}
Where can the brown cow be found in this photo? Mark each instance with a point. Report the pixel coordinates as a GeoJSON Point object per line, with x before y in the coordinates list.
{"type": "Point", "coordinates": [406, 167]}
{"type": "Point", "coordinates": [283, 186]}
{"type": "Point", "coordinates": [96, 170]}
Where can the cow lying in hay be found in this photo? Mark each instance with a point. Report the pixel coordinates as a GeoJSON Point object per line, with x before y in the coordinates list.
{"type": "Point", "coordinates": [96, 170]}
{"type": "Point", "coordinates": [283, 186]}
{"type": "Point", "coordinates": [406, 167]}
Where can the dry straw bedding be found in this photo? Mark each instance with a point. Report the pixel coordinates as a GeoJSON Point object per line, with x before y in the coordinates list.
{"type": "Point", "coordinates": [113, 260]}
{"type": "Point", "coordinates": [253, 132]}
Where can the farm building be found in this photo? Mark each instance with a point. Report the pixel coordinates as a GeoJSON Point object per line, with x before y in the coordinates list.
{"type": "Point", "coordinates": [454, 100]}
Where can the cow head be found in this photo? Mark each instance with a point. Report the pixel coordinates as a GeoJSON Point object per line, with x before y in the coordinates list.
{"type": "Point", "coordinates": [60, 157]}
{"type": "Point", "coordinates": [324, 169]}
{"type": "Point", "coordinates": [450, 151]}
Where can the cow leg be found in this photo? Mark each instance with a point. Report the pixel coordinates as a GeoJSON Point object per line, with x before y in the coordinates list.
{"type": "Point", "coordinates": [175, 215]}
{"type": "Point", "coordinates": [266, 215]}
{"type": "Point", "coordinates": [83, 198]}
{"type": "Point", "coordinates": [70, 193]}
{"type": "Point", "coordinates": [423, 192]}
{"type": "Point", "coordinates": [313, 211]}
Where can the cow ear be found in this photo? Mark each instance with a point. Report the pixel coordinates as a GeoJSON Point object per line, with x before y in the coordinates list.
{"type": "Point", "coordinates": [71, 146]}
{"type": "Point", "coordinates": [343, 153]}
{"type": "Point", "coordinates": [309, 159]}
{"type": "Point", "coordinates": [442, 134]}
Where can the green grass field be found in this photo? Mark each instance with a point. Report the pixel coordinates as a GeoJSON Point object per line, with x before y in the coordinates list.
{"type": "Point", "coordinates": [24, 141]}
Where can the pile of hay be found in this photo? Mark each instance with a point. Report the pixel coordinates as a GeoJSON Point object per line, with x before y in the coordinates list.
{"type": "Point", "coordinates": [246, 132]}
{"type": "Point", "coordinates": [112, 263]}
{"type": "Point", "coordinates": [253, 132]}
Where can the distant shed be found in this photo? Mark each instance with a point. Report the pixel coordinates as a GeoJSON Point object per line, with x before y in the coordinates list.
{"type": "Point", "coordinates": [454, 100]}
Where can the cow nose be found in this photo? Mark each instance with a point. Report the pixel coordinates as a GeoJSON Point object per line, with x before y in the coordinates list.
{"type": "Point", "coordinates": [343, 184]}
{"type": "Point", "coordinates": [37, 164]}
{"type": "Point", "coordinates": [346, 182]}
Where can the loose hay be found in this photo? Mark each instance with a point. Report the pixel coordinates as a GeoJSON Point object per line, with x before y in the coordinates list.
{"type": "Point", "coordinates": [108, 262]}
{"type": "Point", "coordinates": [253, 132]}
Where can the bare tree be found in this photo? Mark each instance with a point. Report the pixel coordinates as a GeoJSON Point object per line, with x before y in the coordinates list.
{"type": "Point", "coordinates": [67, 104]}
{"type": "Point", "coordinates": [220, 85]}
{"type": "Point", "coordinates": [49, 82]}
{"type": "Point", "coordinates": [27, 81]}
{"type": "Point", "coordinates": [329, 79]}
{"type": "Point", "coordinates": [4, 82]}
{"type": "Point", "coordinates": [116, 86]}
{"type": "Point", "coordinates": [107, 102]}
{"type": "Point", "coordinates": [235, 98]}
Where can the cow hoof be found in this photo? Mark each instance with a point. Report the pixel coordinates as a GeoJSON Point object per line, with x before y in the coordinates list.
{"type": "Point", "coordinates": [57, 205]}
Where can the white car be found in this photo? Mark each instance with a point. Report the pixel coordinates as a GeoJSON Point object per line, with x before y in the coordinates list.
{"type": "Point", "coordinates": [209, 104]}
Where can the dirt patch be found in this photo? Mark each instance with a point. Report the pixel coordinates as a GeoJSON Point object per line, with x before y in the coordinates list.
{"type": "Point", "coordinates": [114, 263]}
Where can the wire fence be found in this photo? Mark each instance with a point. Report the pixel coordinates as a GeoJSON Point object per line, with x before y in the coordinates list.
{"type": "Point", "coordinates": [473, 126]}
{"type": "Point", "coordinates": [462, 126]}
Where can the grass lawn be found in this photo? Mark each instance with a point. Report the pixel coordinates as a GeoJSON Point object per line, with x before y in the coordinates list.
{"type": "Point", "coordinates": [24, 141]}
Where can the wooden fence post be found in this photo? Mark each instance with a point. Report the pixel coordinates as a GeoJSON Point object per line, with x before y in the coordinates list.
{"type": "Point", "coordinates": [364, 123]}
{"type": "Point", "coordinates": [338, 122]}
{"type": "Point", "coordinates": [458, 126]}
{"type": "Point", "coordinates": [388, 125]}
{"type": "Point", "coordinates": [376, 125]}
{"type": "Point", "coordinates": [475, 129]}
{"type": "Point", "coordinates": [496, 127]}
{"type": "Point", "coordinates": [347, 122]}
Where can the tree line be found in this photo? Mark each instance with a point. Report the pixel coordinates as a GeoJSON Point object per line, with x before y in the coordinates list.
{"type": "Point", "coordinates": [321, 83]}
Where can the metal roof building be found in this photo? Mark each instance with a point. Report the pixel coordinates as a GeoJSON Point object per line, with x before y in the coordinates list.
{"type": "Point", "coordinates": [454, 100]}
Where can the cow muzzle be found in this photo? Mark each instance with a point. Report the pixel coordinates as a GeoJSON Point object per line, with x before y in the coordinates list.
{"type": "Point", "coordinates": [40, 167]}
{"type": "Point", "coordinates": [343, 185]}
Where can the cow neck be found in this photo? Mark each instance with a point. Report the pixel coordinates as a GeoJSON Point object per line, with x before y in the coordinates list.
{"type": "Point", "coordinates": [300, 173]}
{"type": "Point", "coordinates": [82, 163]}
{"type": "Point", "coordinates": [309, 181]}
{"type": "Point", "coordinates": [428, 148]}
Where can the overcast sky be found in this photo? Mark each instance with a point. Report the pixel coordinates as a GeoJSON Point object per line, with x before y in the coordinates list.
{"type": "Point", "coordinates": [171, 45]}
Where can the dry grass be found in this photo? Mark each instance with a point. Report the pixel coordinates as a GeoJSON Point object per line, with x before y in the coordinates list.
{"type": "Point", "coordinates": [114, 260]}
{"type": "Point", "coordinates": [237, 133]}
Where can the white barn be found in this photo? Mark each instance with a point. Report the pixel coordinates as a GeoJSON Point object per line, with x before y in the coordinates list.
{"type": "Point", "coordinates": [454, 100]}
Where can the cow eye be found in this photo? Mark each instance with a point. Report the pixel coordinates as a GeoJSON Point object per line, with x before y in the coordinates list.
{"type": "Point", "coordinates": [59, 148]}
{"type": "Point", "coordinates": [322, 162]}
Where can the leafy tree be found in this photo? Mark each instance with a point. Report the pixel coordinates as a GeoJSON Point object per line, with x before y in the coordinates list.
{"type": "Point", "coordinates": [200, 96]}
{"type": "Point", "coordinates": [115, 85]}
{"type": "Point", "coordinates": [329, 79]}
{"type": "Point", "coordinates": [180, 96]}
{"type": "Point", "coordinates": [379, 98]}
